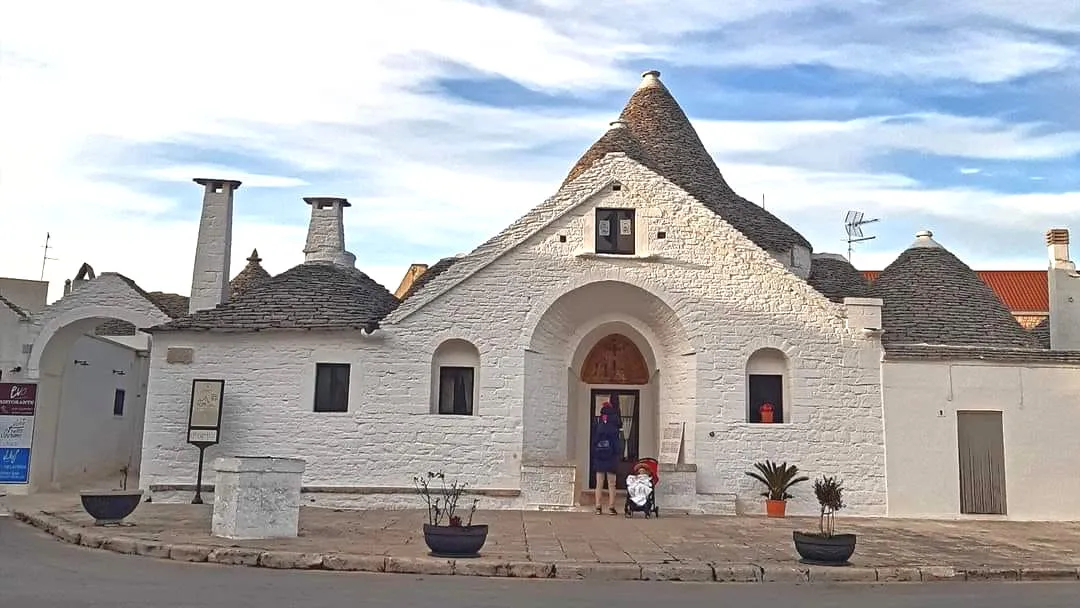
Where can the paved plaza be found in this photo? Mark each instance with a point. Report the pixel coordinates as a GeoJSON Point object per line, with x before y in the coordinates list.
{"type": "Point", "coordinates": [547, 544]}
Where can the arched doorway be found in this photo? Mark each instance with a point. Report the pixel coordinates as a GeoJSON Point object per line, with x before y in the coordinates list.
{"type": "Point", "coordinates": [595, 336]}
{"type": "Point", "coordinates": [615, 373]}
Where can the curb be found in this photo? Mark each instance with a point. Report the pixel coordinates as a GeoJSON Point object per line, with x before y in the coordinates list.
{"type": "Point", "coordinates": [675, 571]}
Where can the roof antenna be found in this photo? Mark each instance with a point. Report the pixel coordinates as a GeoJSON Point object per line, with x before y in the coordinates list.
{"type": "Point", "coordinates": [45, 257]}
{"type": "Point", "coordinates": [853, 223]}
{"type": "Point", "coordinates": [762, 200]}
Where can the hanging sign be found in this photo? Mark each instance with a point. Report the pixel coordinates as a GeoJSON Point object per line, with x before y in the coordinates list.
{"type": "Point", "coordinates": [204, 416]}
{"type": "Point", "coordinates": [18, 402]}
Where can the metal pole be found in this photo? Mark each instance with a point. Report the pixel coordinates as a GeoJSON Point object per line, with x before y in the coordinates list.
{"type": "Point", "coordinates": [198, 481]}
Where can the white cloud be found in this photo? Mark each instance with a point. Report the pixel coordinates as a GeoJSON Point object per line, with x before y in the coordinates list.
{"type": "Point", "coordinates": [346, 93]}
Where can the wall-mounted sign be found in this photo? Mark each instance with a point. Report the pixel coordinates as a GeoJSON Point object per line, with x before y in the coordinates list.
{"type": "Point", "coordinates": [604, 228]}
{"type": "Point", "coordinates": [18, 402]}
{"type": "Point", "coordinates": [204, 416]}
{"type": "Point", "coordinates": [626, 227]}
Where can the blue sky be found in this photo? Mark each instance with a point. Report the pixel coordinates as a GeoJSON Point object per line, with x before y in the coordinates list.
{"type": "Point", "coordinates": [443, 121]}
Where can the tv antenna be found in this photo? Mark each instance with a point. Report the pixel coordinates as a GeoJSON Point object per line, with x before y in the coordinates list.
{"type": "Point", "coordinates": [853, 223]}
{"type": "Point", "coordinates": [45, 257]}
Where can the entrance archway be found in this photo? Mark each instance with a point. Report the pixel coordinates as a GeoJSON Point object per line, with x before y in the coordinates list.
{"type": "Point", "coordinates": [91, 389]}
{"type": "Point", "coordinates": [603, 335]}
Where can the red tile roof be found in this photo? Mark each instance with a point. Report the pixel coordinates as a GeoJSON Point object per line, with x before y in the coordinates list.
{"type": "Point", "coordinates": [1020, 290]}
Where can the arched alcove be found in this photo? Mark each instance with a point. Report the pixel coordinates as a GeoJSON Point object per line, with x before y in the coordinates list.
{"type": "Point", "coordinates": [455, 370]}
{"type": "Point", "coordinates": [767, 383]}
{"type": "Point", "coordinates": [615, 359]}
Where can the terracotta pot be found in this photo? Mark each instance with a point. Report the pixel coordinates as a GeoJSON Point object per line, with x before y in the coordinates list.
{"type": "Point", "coordinates": [775, 508]}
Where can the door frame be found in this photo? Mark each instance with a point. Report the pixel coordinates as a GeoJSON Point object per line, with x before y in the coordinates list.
{"type": "Point", "coordinates": [633, 442]}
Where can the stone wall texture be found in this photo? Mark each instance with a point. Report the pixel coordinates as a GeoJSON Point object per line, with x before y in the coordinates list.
{"type": "Point", "coordinates": [702, 299]}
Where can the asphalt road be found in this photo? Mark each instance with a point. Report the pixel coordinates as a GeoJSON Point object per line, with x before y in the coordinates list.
{"type": "Point", "coordinates": [37, 571]}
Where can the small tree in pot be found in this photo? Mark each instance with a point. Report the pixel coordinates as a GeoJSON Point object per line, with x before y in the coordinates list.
{"type": "Point", "coordinates": [826, 547]}
{"type": "Point", "coordinates": [454, 538]}
{"type": "Point", "coordinates": [778, 479]}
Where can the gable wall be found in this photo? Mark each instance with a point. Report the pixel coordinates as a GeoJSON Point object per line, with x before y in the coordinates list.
{"type": "Point", "coordinates": [730, 297]}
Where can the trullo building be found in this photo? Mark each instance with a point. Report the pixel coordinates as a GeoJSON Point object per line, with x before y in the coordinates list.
{"type": "Point", "coordinates": [647, 280]}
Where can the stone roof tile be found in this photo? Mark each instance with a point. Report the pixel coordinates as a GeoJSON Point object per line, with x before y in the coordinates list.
{"type": "Point", "coordinates": [431, 273]}
{"type": "Point", "coordinates": [312, 295]}
{"type": "Point", "coordinates": [252, 275]}
{"type": "Point", "coordinates": [662, 138]}
{"type": "Point", "coordinates": [931, 297]}
{"type": "Point", "coordinates": [837, 279]}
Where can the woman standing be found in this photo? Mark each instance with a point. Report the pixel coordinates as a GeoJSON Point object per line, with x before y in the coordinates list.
{"type": "Point", "coordinates": [605, 453]}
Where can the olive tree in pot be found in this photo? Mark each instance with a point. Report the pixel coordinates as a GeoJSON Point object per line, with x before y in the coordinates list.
{"type": "Point", "coordinates": [455, 538]}
{"type": "Point", "coordinates": [110, 507]}
{"type": "Point", "coordinates": [778, 479]}
{"type": "Point", "coordinates": [825, 547]}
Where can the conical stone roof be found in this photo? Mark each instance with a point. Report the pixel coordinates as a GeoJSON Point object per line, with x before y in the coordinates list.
{"type": "Point", "coordinates": [835, 278]}
{"type": "Point", "coordinates": [659, 135]}
{"type": "Point", "coordinates": [931, 297]}
{"type": "Point", "coordinates": [312, 295]}
{"type": "Point", "coordinates": [252, 275]}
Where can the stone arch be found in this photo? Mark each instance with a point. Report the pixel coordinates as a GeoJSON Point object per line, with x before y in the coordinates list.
{"type": "Point", "coordinates": [455, 371]}
{"type": "Point", "coordinates": [562, 332]}
{"type": "Point", "coordinates": [768, 380]}
{"type": "Point", "coordinates": [58, 461]}
{"type": "Point", "coordinates": [64, 329]}
{"type": "Point", "coordinates": [549, 299]}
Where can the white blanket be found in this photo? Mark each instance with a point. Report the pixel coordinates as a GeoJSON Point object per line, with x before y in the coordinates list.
{"type": "Point", "coordinates": [638, 488]}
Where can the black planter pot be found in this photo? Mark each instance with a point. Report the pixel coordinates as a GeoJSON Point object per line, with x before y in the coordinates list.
{"type": "Point", "coordinates": [455, 541]}
{"type": "Point", "coordinates": [110, 506]}
{"type": "Point", "coordinates": [819, 550]}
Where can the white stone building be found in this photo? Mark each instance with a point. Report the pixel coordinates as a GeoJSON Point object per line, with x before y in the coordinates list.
{"type": "Point", "coordinates": [644, 278]}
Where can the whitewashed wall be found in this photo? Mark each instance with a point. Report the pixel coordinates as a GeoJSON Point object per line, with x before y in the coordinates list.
{"type": "Point", "coordinates": [92, 444]}
{"type": "Point", "coordinates": [707, 294]}
{"type": "Point", "coordinates": [1040, 416]}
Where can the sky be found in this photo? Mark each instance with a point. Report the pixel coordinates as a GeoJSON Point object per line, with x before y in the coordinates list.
{"type": "Point", "coordinates": [442, 121]}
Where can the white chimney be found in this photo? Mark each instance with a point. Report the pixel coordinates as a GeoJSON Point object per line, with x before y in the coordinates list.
{"type": "Point", "coordinates": [210, 276]}
{"type": "Point", "coordinates": [326, 231]}
{"type": "Point", "coordinates": [1063, 283]}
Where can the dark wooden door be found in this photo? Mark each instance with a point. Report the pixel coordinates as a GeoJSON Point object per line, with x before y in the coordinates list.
{"type": "Point", "coordinates": [627, 402]}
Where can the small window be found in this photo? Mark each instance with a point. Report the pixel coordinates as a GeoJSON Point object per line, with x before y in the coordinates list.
{"type": "Point", "coordinates": [332, 387]}
{"type": "Point", "coordinates": [118, 402]}
{"type": "Point", "coordinates": [615, 231]}
{"type": "Point", "coordinates": [456, 390]}
{"type": "Point", "coordinates": [766, 389]}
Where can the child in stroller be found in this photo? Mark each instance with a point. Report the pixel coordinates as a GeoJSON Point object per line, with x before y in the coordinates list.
{"type": "Point", "coordinates": [641, 488]}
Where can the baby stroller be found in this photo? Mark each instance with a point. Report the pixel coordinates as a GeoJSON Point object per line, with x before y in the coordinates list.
{"type": "Point", "coordinates": [649, 508]}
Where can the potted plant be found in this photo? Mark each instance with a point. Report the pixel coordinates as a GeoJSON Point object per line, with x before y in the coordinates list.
{"type": "Point", "coordinates": [110, 507]}
{"type": "Point", "coordinates": [454, 538]}
{"type": "Point", "coordinates": [778, 479]}
{"type": "Point", "coordinates": [826, 547]}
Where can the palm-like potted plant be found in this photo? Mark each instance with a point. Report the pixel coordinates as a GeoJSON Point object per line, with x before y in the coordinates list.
{"type": "Point", "coordinates": [455, 538]}
{"type": "Point", "coordinates": [825, 547]}
{"type": "Point", "coordinates": [778, 480]}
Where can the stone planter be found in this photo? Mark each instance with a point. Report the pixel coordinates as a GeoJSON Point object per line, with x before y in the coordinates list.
{"type": "Point", "coordinates": [257, 497]}
{"type": "Point", "coordinates": [455, 541]}
{"type": "Point", "coordinates": [820, 550]}
{"type": "Point", "coordinates": [110, 507]}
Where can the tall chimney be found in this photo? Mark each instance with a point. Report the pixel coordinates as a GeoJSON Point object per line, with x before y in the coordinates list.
{"type": "Point", "coordinates": [210, 276]}
{"type": "Point", "coordinates": [326, 231]}
{"type": "Point", "coordinates": [1063, 283]}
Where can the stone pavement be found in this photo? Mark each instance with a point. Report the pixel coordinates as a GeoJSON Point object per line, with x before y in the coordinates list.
{"type": "Point", "coordinates": [583, 545]}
